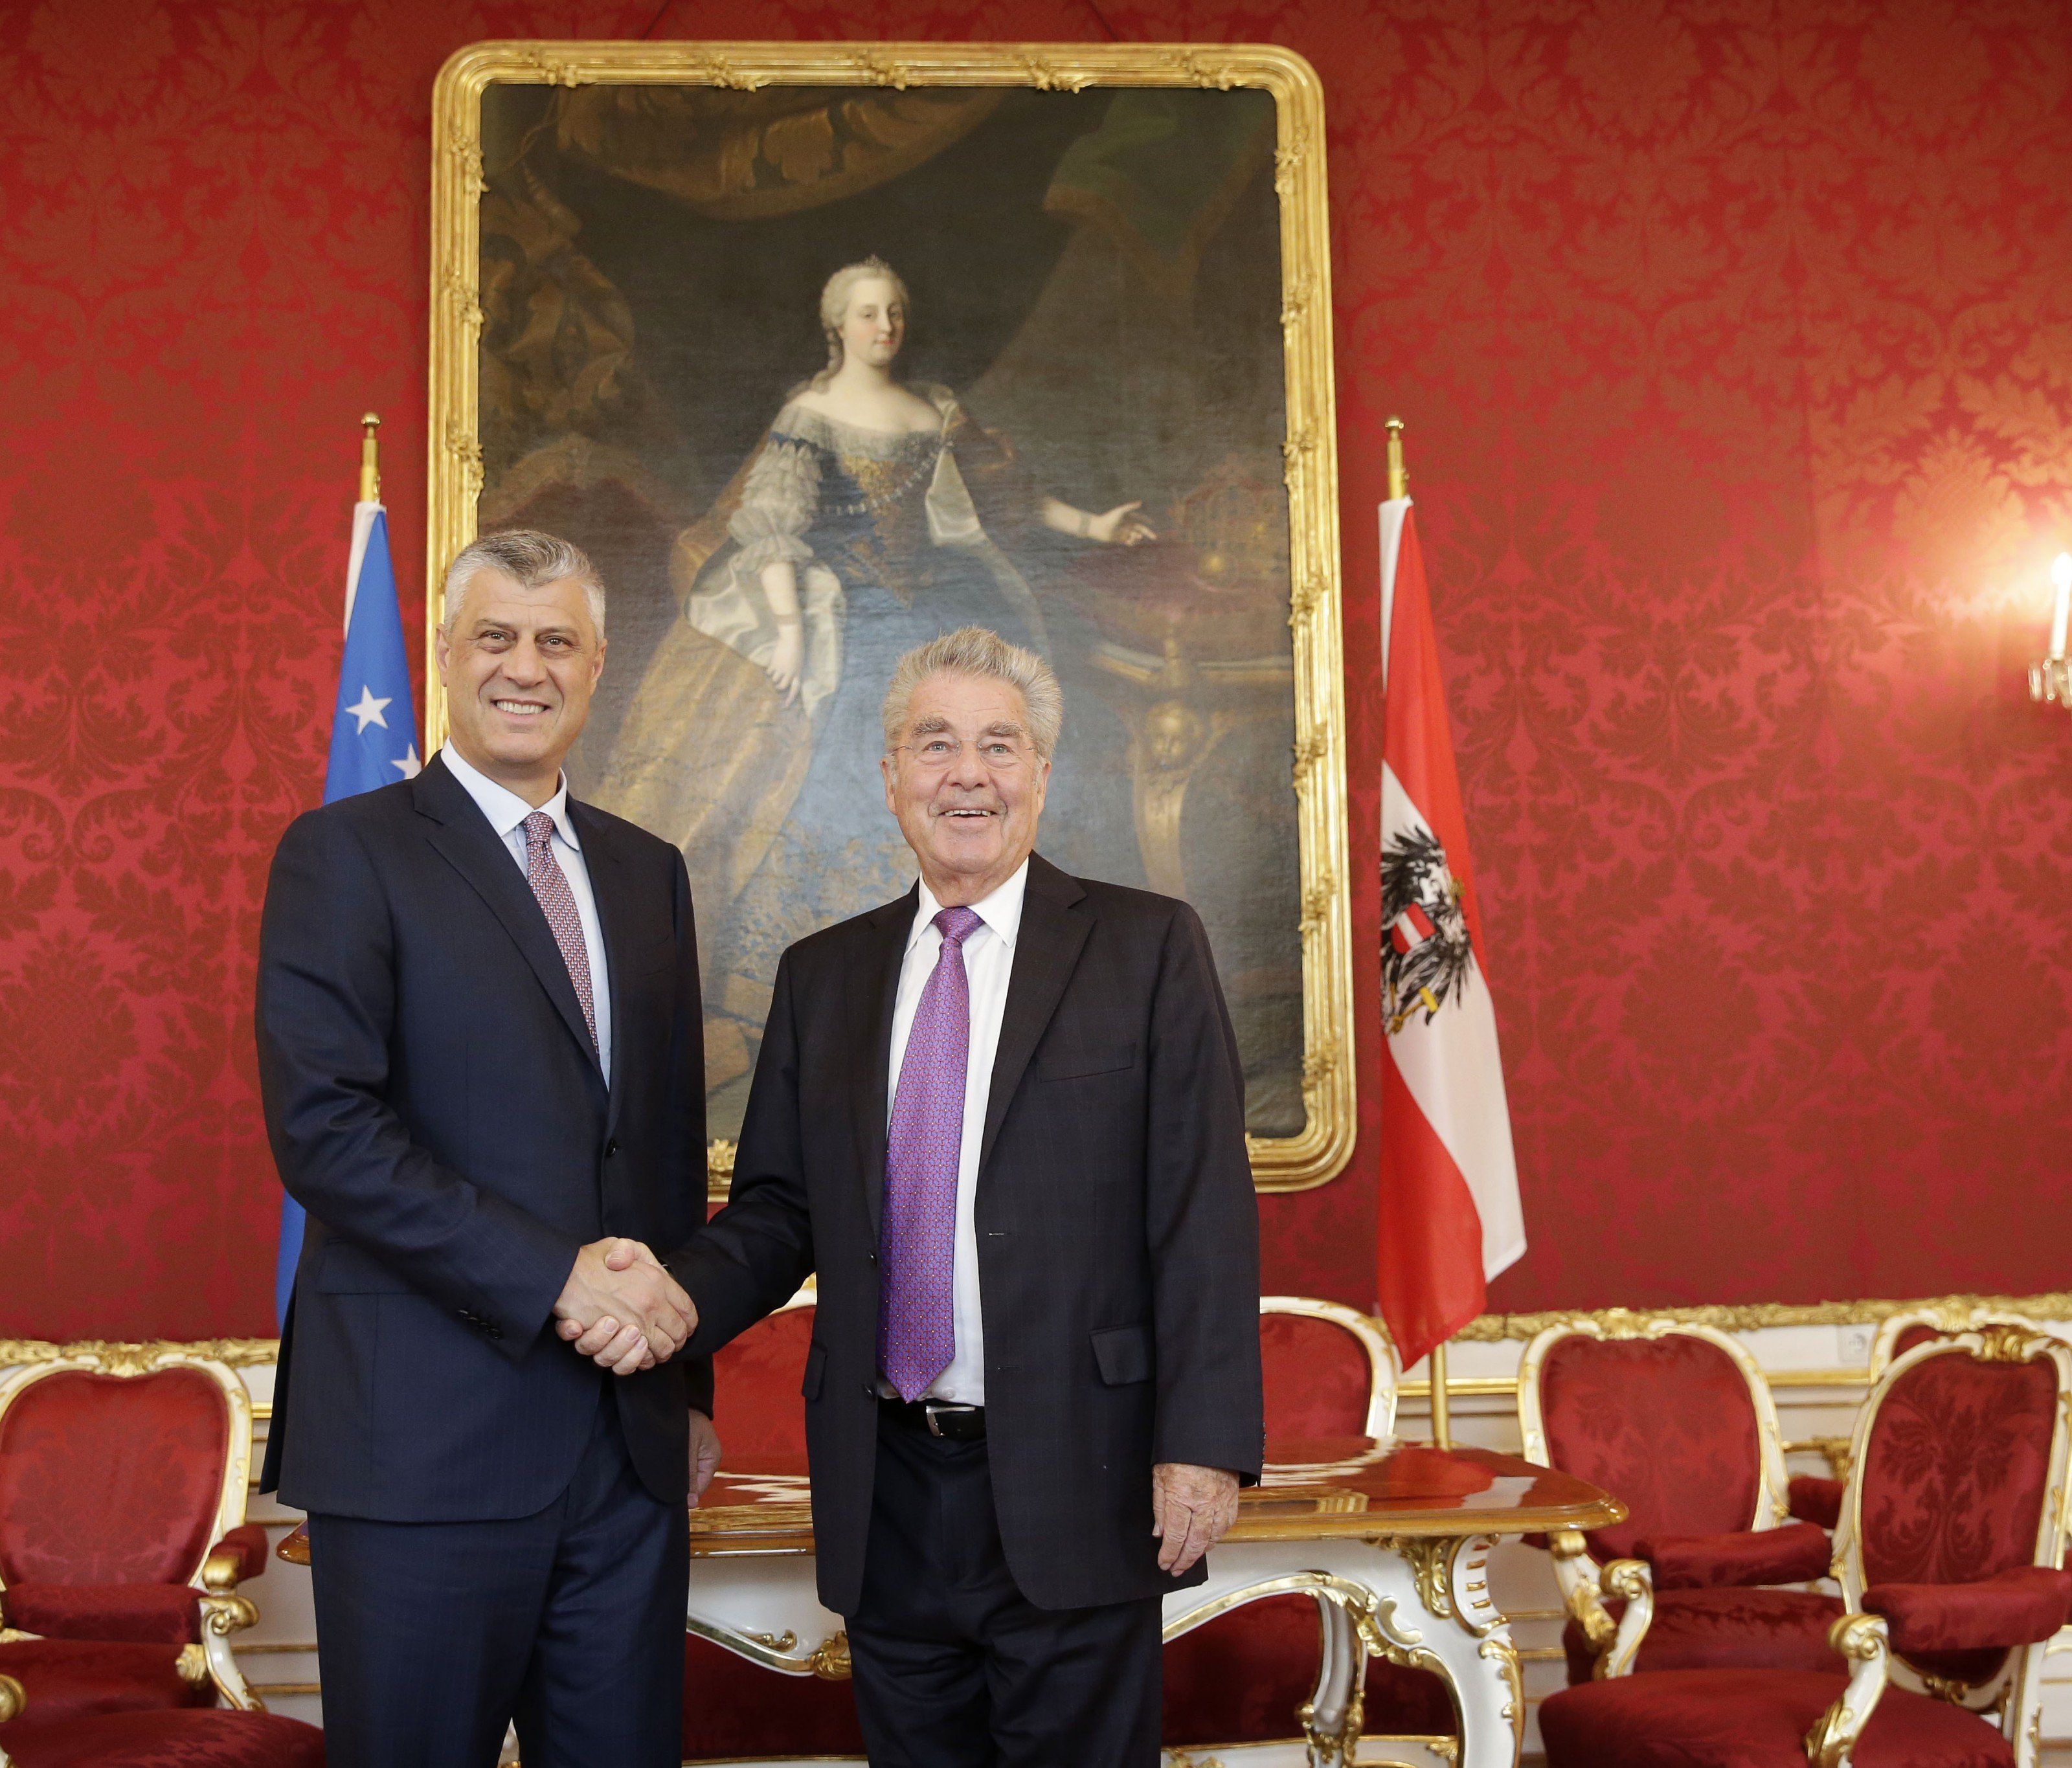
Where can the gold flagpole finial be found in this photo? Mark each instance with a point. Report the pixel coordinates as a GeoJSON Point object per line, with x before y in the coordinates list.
{"type": "Point", "coordinates": [370, 461]}
{"type": "Point", "coordinates": [1399, 477]}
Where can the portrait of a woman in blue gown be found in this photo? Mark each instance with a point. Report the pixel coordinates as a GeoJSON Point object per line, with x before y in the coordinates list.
{"type": "Point", "coordinates": [870, 517]}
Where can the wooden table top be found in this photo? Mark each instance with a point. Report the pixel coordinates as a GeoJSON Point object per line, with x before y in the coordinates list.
{"type": "Point", "coordinates": [1331, 1486]}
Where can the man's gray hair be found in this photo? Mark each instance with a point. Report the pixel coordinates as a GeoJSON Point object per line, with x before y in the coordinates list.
{"type": "Point", "coordinates": [973, 651]}
{"type": "Point", "coordinates": [531, 560]}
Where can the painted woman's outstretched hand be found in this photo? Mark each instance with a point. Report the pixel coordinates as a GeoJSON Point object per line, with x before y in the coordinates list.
{"type": "Point", "coordinates": [1121, 526]}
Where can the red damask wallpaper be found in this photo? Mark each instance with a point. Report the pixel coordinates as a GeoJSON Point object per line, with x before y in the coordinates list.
{"type": "Point", "coordinates": [1735, 339]}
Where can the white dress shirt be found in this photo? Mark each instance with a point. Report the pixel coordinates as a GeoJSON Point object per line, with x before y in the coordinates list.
{"type": "Point", "coordinates": [506, 813]}
{"type": "Point", "coordinates": [988, 963]}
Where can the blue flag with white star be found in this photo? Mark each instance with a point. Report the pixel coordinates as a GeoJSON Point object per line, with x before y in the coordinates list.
{"type": "Point", "coordinates": [373, 740]}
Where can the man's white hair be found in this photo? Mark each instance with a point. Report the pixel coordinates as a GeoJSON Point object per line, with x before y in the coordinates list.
{"type": "Point", "coordinates": [531, 560]}
{"type": "Point", "coordinates": [974, 651]}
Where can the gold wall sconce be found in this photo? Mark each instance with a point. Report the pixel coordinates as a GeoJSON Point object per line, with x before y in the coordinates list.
{"type": "Point", "coordinates": [2051, 679]}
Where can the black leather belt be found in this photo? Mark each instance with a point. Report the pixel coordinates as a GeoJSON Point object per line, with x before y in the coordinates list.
{"type": "Point", "coordinates": [944, 1418]}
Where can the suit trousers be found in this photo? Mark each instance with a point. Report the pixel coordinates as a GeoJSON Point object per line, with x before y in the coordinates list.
{"type": "Point", "coordinates": [954, 1667]}
{"type": "Point", "coordinates": [432, 1637]}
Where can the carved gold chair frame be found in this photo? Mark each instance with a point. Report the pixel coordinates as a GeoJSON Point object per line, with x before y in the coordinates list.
{"type": "Point", "coordinates": [1582, 1580]}
{"type": "Point", "coordinates": [1957, 1314]}
{"type": "Point", "coordinates": [223, 1611]}
{"type": "Point", "coordinates": [1320, 1149]}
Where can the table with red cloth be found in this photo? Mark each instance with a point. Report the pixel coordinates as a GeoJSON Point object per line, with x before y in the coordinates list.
{"type": "Point", "coordinates": [1395, 1537]}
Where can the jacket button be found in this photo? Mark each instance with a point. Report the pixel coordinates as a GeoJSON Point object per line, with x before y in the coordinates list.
{"type": "Point", "coordinates": [610, 1147]}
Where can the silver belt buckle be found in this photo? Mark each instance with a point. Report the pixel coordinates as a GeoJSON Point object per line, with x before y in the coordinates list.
{"type": "Point", "coordinates": [934, 1409]}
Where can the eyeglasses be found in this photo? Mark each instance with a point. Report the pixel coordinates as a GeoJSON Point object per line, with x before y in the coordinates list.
{"type": "Point", "coordinates": [938, 752]}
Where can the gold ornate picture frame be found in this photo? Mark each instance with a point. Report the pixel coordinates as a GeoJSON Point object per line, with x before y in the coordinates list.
{"type": "Point", "coordinates": [628, 243]}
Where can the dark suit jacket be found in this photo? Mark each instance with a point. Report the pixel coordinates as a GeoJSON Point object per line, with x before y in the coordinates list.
{"type": "Point", "coordinates": [434, 1104]}
{"type": "Point", "coordinates": [1117, 1230]}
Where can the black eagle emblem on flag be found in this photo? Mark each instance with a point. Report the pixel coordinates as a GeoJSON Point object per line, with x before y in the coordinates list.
{"type": "Point", "coordinates": [1426, 955]}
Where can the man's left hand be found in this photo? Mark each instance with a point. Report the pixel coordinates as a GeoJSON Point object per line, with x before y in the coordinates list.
{"type": "Point", "coordinates": [705, 1455]}
{"type": "Point", "coordinates": [1192, 1508]}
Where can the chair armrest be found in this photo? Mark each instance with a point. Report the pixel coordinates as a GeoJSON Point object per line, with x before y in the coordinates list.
{"type": "Point", "coordinates": [240, 1555]}
{"type": "Point", "coordinates": [2023, 1606]}
{"type": "Point", "coordinates": [1813, 1499]}
{"type": "Point", "coordinates": [1630, 1580]}
{"type": "Point", "coordinates": [1860, 1640]}
{"type": "Point", "coordinates": [1580, 1595]}
{"type": "Point", "coordinates": [1796, 1553]}
{"type": "Point", "coordinates": [12, 1699]}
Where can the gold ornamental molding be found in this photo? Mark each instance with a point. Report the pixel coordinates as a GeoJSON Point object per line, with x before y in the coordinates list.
{"type": "Point", "coordinates": [1756, 1317]}
{"type": "Point", "coordinates": [127, 1356]}
{"type": "Point", "coordinates": [1321, 1150]}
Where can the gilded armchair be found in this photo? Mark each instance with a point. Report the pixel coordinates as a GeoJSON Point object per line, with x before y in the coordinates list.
{"type": "Point", "coordinates": [1676, 1420]}
{"type": "Point", "coordinates": [1951, 1557]}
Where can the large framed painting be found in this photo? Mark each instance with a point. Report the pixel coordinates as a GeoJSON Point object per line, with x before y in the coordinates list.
{"type": "Point", "coordinates": [820, 350]}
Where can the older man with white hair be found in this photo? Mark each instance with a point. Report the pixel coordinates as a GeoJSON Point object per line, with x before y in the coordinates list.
{"type": "Point", "coordinates": [481, 1051]}
{"type": "Point", "coordinates": [1003, 1118]}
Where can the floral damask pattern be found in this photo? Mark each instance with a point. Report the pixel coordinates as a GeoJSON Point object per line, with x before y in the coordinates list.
{"type": "Point", "coordinates": [1734, 340]}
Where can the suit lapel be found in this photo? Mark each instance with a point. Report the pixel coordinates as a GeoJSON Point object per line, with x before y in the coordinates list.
{"type": "Point", "coordinates": [873, 990]}
{"type": "Point", "coordinates": [617, 917]}
{"type": "Point", "coordinates": [1054, 927]}
{"type": "Point", "coordinates": [463, 837]}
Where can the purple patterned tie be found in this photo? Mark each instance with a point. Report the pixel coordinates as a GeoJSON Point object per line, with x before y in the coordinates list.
{"type": "Point", "coordinates": [916, 1326]}
{"type": "Point", "coordinates": [550, 884]}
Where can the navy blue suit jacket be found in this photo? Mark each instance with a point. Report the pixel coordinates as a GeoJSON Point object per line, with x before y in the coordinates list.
{"type": "Point", "coordinates": [434, 1104]}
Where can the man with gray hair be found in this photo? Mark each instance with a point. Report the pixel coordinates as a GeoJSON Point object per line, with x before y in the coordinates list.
{"type": "Point", "coordinates": [481, 1057]}
{"type": "Point", "coordinates": [1003, 1118]}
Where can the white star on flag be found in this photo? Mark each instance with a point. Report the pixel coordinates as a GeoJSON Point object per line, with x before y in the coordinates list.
{"type": "Point", "coordinates": [368, 711]}
{"type": "Point", "coordinates": [409, 767]}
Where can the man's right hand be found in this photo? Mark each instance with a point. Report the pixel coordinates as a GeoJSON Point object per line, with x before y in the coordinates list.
{"type": "Point", "coordinates": [621, 1310]}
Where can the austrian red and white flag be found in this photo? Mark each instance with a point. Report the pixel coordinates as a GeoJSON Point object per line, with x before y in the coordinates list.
{"type": "Point", "coordinates": [1450, 1217]}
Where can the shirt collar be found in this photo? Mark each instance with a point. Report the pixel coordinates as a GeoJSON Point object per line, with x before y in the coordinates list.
{"type": "Point", "coordinates": [504, 807]}
{"type": "Point", "coordinates": [1001, 911]}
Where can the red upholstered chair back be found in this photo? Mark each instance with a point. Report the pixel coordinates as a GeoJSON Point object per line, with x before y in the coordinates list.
{"type": "Point", "coordinates": [756, 1386]}
{"type": "Point", "coordinates": [1330, 1370]}
{"type": "Point", "coordinates": [118, 1480]}
{"type": "Point", "coordinates": [1673, 1419]}
{"type": "Point", "coordinates": [1956, 1465]}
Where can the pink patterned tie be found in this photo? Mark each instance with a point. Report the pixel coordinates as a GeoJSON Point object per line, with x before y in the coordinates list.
{"type": "Point", "coordinates": [917, 1246]}
{"type": "Point", "coordinates": [550, 884]}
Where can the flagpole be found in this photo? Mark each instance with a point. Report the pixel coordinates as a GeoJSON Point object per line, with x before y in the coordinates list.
{"type": "Point", "coordinates": [1442, 1407]}
{"type": "Point", "coordinates": [1399, 477]}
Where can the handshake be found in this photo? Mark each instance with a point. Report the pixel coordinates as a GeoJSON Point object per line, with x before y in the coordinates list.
{"type": "Point", "coordinates": [621, 1310]}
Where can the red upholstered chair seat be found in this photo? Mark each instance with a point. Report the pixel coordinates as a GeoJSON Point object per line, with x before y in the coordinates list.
{"type": "Point", "coordinates": [1750, 1718]}
{"type": "Point", "coordinates": [1244, 1677]}
{"type": "Point", "coordinates": [67, 1678]}
{"type": "Point", "coordinates": [151, 1614]}
{"type": "Point", "coordinates": [165, 1740]}
{"type": "Point", "coordinates": [1720, 1630]}
{"type": "Point", "coordinates": [733, 1708]}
